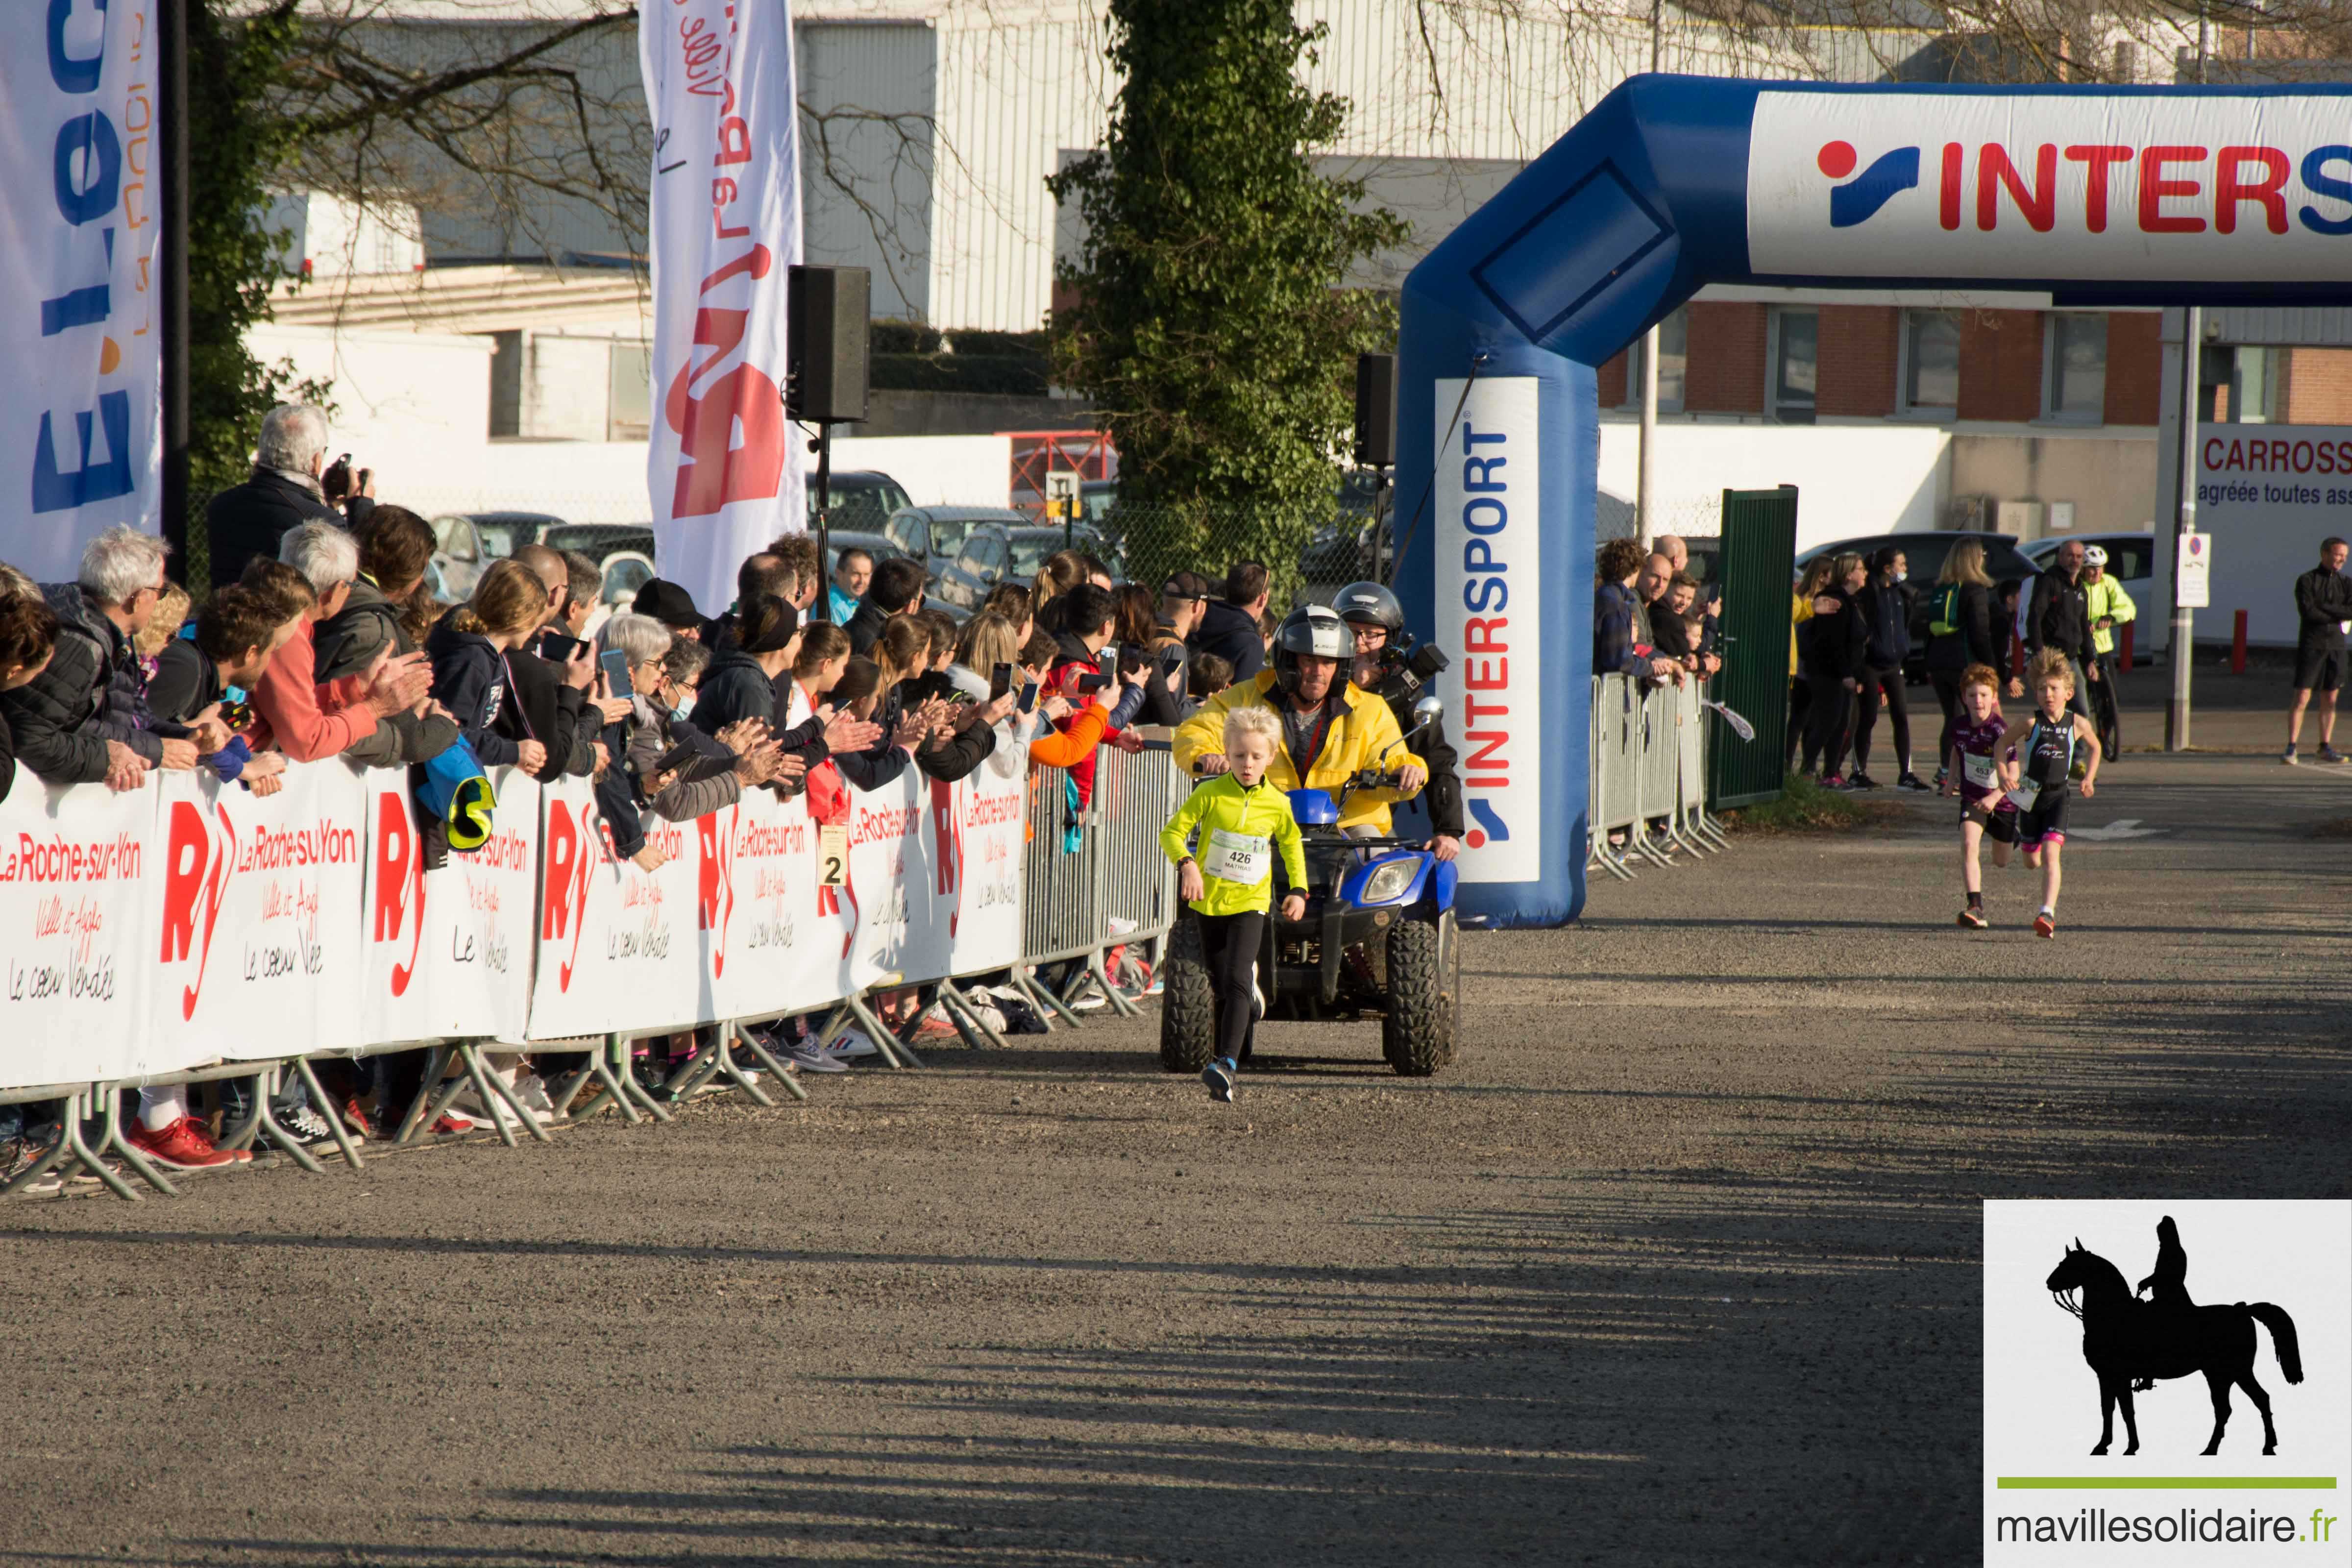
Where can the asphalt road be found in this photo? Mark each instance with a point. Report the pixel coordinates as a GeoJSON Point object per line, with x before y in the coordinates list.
{"type": "Point", "coordinates": [1675, 1266]}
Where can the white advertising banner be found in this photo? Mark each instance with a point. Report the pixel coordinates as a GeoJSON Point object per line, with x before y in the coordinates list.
{"type": "Point", "coordinates": [1488, 543]}
{"type": "Point", "coordinates": [617, 948]}
{"type": "Point", "coordinates": [2032, 185]}
{"type": "Point", "coordinates": [901, 919]}
{"type": "Point", "coordinates": [724, 472]}
{"type": "Point", "coordinates": [80, 416]}
{"type": "Point", "coordinates": [756, 910]}
{"type": "Point", "coordinates": [259, 950]}
{"type": "Point", "coordinates": [448, 950]}
{"type": "Point", "coordinates": [978, 851]}
{"type": "Point", "coordinates": [2266, 496]}
{"type": "Point", "coordinates": [78, 871]}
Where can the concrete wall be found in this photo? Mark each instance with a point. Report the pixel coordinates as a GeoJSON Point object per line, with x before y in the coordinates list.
{"type": "Point", "coordinates": [2110, 477]}
{"type": "Point", "coordinates": [1852, 479]}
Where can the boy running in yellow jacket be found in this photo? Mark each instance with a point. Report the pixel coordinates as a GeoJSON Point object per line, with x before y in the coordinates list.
{"type": "Point", "coordinates": [1242, 821]}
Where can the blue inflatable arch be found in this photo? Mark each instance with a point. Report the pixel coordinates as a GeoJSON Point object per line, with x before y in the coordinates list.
{"type": "Point", "coordinates": [2096, 196]}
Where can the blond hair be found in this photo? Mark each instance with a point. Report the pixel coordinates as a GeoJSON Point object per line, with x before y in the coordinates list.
{"type": "Point", "coordinates": [171, 614]}
{"type": "Point", "coordinates": [2051, 663]}
{"type": "Point", "coordinates": [509, 598]}
{"type": "Point", "coordinates": [1254, 719]}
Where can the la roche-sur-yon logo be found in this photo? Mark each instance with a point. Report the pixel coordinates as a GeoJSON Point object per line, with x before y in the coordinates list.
{"type": "Point", "coordinates": [1860, 198]}
{"type": "Point", "coordinates": [2220, 1330]}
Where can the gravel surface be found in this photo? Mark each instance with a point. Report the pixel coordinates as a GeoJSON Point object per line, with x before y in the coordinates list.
{"type": "Point", "coordinates": [1675, 1266]}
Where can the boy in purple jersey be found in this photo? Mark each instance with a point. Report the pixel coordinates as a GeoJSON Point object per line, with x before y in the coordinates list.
{"type": "Point", "coordinates": [1973, 773]}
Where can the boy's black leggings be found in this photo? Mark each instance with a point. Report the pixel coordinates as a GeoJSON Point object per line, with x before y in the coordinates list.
{"type": "Point", "coordinates": [1230, 944]}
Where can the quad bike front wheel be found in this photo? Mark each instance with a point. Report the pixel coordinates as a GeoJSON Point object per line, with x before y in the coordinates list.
{"type": "Point", "coordinates": [1417, 1035]}
{"type": "Point", "coordinates": [1188, 1003]}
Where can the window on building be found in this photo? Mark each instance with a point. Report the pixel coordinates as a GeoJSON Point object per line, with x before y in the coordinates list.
{"type": "Point", "coordinates": [1796, 364]}
{"type": "Point", "coordinates": [2253, 385]}
{"type": "Point", "coordinates": [1931, 361]}
{"type": "Point", "coordinates": [1674, 364]}
{"type": "Point", "coordinates": [631, 408]}
{"type": "Point", "coordinates": [506, 383]}
{"type": "Point", "coordinates": [2077, 353]}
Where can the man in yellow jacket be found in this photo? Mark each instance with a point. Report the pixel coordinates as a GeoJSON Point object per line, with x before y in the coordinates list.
{"type": "Point", "coordinates": [1329, 728]}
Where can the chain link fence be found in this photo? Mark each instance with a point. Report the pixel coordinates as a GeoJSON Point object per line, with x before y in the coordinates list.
{"type": "Point", "coordinates": [1310, 558]}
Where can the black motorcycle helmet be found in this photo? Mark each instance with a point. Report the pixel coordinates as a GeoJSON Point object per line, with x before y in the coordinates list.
{"type": "Point", "coordinates": [1371, 604]}
{"type": "Point", "coordinates": [1313, 629]}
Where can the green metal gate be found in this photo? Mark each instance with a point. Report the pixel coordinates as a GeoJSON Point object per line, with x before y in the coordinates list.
{"type": "Point", "coordinates": [1759, 548]}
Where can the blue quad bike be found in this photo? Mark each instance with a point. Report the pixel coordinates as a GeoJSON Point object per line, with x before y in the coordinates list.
{"type": "Point", "coordinates": [1379, 938]}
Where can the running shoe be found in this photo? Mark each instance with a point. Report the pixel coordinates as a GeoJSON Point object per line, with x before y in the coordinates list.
{"type": "Point", "coordinates": [851, 1043]}
{"type": "Point", "coordinates": [183, 1146]}
{"type": "Point", "coordinates": [1862, 781]}
{"type": "Point", "coordinates": [2288, 756]}
{"type": "Point", "coordinates": [2330, 754]}
{"type": "Point", "coordinates": [356, 1120]}
{"type": "Point", "coordinates": [1831, 780]}
{"type": "Point", "coordinates": [1219, 1075]}
{"type": "Point", "coordinates": [451, 1123]}
{"type": "Point", "coordinates": [19, 1155]}
{"type": "Point", "coordinates": [814, 1061]}
{"type": "Point", "coordinates": [1943, 776]}
{"type": "Point", "coordinates": [306, 1125]}
{"type": "Point", "coordinates": [2045, 924]}
{"type": "Point", "coordinates": [1913, 782]}
{"type": "Point", "coordinates": [1974, 919]}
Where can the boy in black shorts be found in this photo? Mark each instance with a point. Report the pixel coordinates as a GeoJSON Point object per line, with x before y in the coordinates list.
{"type": "Point", "coordinates": [2040, 772]}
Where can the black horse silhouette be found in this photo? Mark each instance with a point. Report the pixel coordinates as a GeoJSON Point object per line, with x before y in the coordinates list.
{"type": "Point", "coordinates": [2124, 1338]}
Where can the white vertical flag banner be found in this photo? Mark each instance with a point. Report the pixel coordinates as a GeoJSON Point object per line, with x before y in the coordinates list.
{"type": "Point", "coordinates": [80, 217]}
{"type": "Point", "coordinates": [723, 469]}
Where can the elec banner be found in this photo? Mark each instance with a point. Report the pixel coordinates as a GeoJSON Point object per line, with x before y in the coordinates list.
{"type": "Point", "coordinates": [450, 950]}
{"type": "Point", "coordinates": [617, 948]}
{"type": "Point", "coordinates": [80, 416]}
{"type": "Point", "coordinates": [257, 947]}
{"type": "Point", "coordinates": [78, 871]}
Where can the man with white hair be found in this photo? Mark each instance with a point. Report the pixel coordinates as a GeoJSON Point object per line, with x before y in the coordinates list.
{"type": "Point", "coordinates": [85, 717]}
{"type": "Point", "coordinates": [303, 719]}
{"type": "Point", "coordinates": [284, 493]}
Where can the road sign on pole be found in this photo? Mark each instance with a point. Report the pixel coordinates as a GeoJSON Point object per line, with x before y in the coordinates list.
{"type": "Point", "coordinates": [2192, 572]}
{"type": "Point", "coordinates": [1062, 495]}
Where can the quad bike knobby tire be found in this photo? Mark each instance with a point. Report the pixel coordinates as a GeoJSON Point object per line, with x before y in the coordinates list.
{"type": "Point", "coordinates": [1417, 1035]}
{"type": "Point", "coordinates": [1188, 1003]}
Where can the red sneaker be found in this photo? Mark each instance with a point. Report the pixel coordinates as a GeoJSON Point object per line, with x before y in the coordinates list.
{"type": "Point", "coordinates": [2044, 926]}
{"type": "Point", "coordinates": [356, 1121]}
{"type": "Point", "coordinates": [183, 1147]}
{"type": "Point", "coordinates": [452, 1121]}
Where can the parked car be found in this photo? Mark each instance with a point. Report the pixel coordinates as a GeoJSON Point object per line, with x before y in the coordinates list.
{"type": "Point", "coordinates": [860, 499]}
{"type": "Point", "coordinates": [1923, 556]}
{"type": "Point", "coordinates": [994, 551]}
{"type": "Point", "coordinates": [599, 542]}
{"type": "Point", "coordinates": [471, 541]}
{"type": "Point", "coordinates": [2132, 562]}
{"type": "Point", "coordinates": [935, 534]}
{"type": "Point", "coordinates": [625, 574]}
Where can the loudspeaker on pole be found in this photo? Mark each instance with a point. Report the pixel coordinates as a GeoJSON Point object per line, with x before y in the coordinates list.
{"type": "Point", "coordinates": [826, 321]}
{"type": "Point", "coordinates": [1375, 390]}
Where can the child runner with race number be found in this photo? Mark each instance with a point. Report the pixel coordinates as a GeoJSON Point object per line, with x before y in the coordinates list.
{"type": "Point", "coordinates": [1972, 772]}
{"type": "Point", "coordinates": [1242, 821]}
{"type": "Point", "coordinates": [2041, 772]}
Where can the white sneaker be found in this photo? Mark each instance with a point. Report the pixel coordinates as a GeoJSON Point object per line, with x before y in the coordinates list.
{"type": "Point", "coordinates": [531, 1090]}
{"type": "Point", "coordinates": [853, 1043]}
{"type": "Point", "coordinates": [1120, 927]}
{"type": "Point", "coordinates": [814, 1061]}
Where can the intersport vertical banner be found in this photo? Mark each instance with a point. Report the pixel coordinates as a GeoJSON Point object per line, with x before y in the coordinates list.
{"type": "Point", "coordinates": [77, 872]}
{"type": "Point", "coordinates": [80, 223]}
{"type": "Point", "coordinates": [722, 471]}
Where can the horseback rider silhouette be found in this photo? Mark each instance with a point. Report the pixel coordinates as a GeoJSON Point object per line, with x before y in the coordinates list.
{"type": "Point", "coordinates": [2170, 1279]}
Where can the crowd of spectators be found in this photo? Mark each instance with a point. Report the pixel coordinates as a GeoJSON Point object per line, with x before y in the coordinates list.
{"type": "Point", "coordinates": [319, 637]}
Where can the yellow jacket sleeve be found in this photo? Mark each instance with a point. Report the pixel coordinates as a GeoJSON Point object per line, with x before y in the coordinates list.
{"type": "Point", "coordinates": [1379, 733]}
{"type": "Point", "coordinates": [1203, 734]}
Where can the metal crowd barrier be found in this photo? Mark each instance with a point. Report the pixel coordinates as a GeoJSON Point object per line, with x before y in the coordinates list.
{"type": "Point", "coordinates": [1647, 788]}
{"type": "Point", "coordinates": [1092, 880]}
